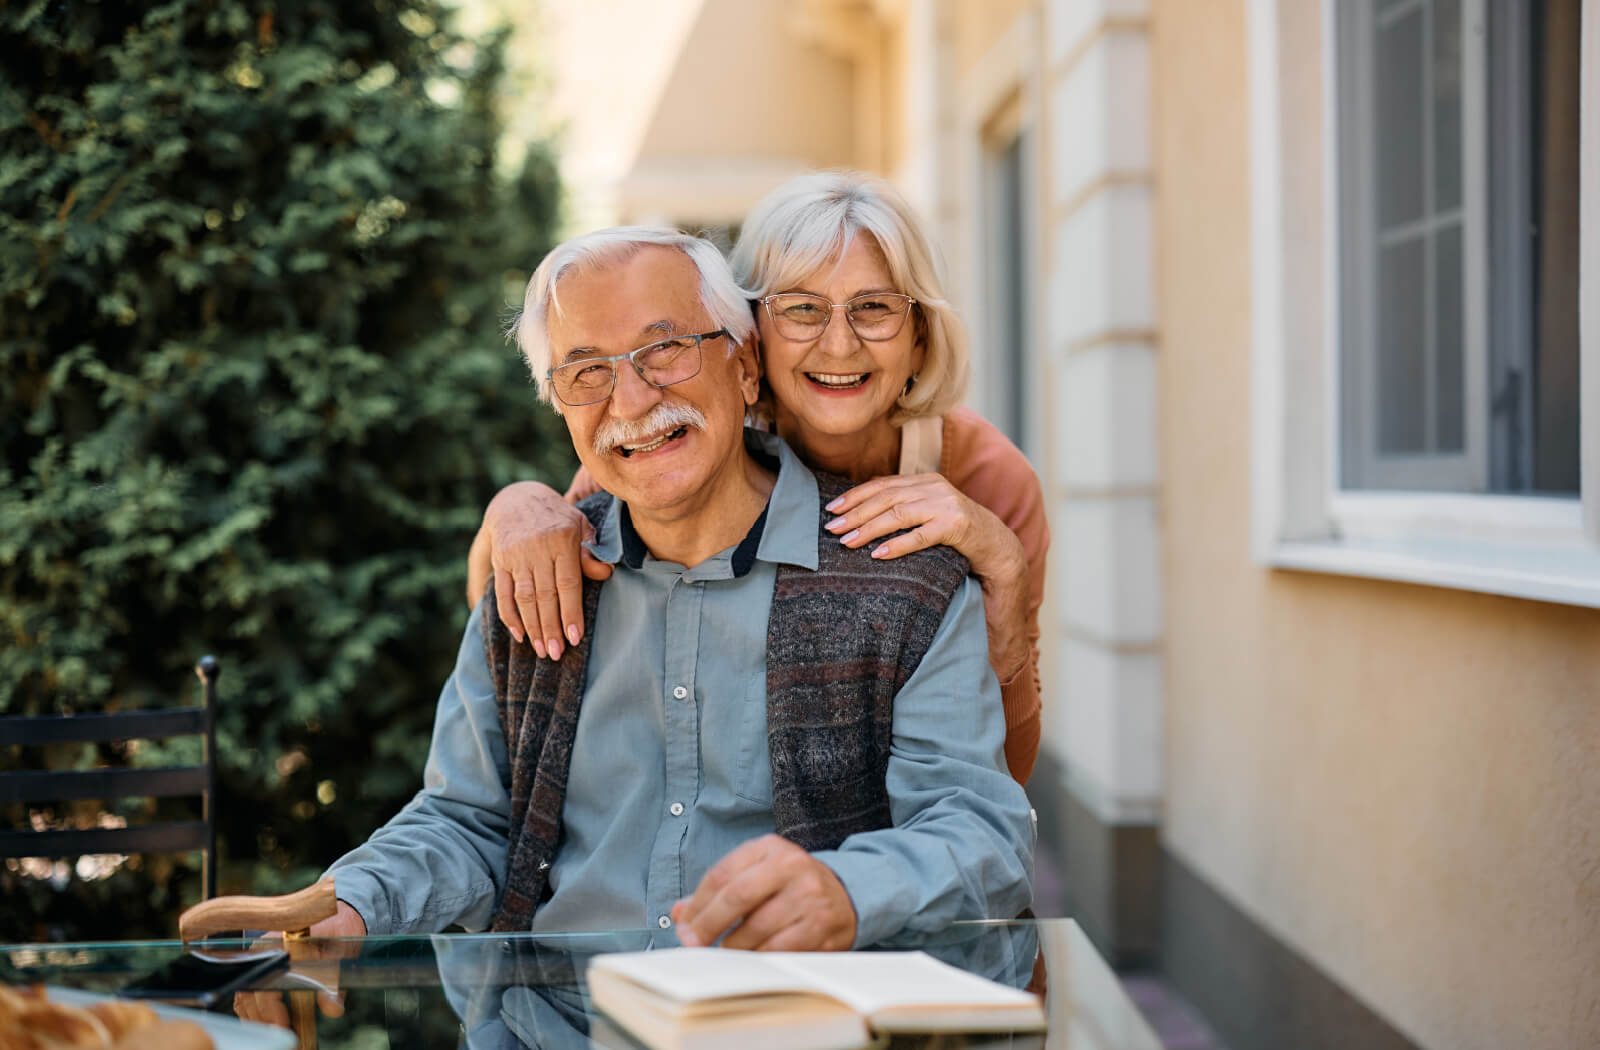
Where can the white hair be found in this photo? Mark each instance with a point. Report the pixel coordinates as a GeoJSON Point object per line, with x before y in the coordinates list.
{"type": "Point", "coordinates": [805, 224]}
{"type": "Point", "coordinates": [720, 294]}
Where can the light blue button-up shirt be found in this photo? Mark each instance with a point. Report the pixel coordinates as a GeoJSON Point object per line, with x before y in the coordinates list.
{"type": "Point", "coordinates": [670, 768]}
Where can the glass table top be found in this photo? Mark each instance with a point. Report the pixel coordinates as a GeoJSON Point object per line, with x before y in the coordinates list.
{"type": "Point", "coordinates": [525, 990]}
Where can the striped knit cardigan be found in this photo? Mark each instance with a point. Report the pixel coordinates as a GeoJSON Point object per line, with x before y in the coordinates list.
{"type": "Point", "coordinates": [841, 642]}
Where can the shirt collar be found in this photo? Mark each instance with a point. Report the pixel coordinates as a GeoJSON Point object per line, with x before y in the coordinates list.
{"type": "Point", "coordinates": [786, 531]}
{"type": "Point", "coordinates": [793, 510]}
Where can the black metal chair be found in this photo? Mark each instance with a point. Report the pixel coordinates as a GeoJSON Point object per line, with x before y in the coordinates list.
{"type": "Point", "coordinates": [109, 784]}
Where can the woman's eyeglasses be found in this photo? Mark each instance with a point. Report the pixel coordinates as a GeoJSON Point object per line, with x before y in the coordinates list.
{"type": "Point", "coordinates": [874, 317]}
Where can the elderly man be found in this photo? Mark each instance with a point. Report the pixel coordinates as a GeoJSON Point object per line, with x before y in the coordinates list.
{"type": "Point", "coordinates": [766, 738]}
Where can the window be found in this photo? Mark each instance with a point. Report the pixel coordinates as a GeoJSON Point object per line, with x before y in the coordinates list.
{"type": "Point", "coordinates": [1004, 188]}
{"type": "Point", "coordinates": [1425, 343]}
{"type": "Point", "coordinates": [1457, 170]}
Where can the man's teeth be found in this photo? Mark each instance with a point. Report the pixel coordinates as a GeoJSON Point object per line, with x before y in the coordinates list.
{"type": "Point", "coordinates": [854, 379]}
{"type": "Point", "coordinates": [628, 450]}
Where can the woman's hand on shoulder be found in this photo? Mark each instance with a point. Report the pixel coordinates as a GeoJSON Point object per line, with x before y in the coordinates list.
{"type": "Point", "coordinates": [536, 548]}
{"type": "Point", "coordinates": [926, 510]}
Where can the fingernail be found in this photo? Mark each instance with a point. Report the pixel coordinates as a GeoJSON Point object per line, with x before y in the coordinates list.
{"type": "Point", "coordinates": [687, 938]}
{"type": "Point", "coordinates": [516, 632]}
{"type": "Point", "coordinates": [572, 633]}
{"type": "Point", "coordinates": [836, 523]}
{"type": "Point", "coordinates": [838, 501]}
{"type": "Point", "coordinates": [880, 552]}
{"type": "Point", "coordinates": [847, 537]}
{"type": "Point", "coordinates": [538, 647]}
{"type": "Point", "coordinates": [554, 645]}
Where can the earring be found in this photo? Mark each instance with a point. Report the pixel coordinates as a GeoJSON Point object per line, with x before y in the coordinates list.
{"type": "Point", "coordinates": [911, 381]}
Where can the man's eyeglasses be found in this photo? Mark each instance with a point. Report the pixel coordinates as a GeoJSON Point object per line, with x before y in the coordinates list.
{"type": "Point", "coordinates": [803, 317]}
{"type": "Point", "coordinates": [586, 380]}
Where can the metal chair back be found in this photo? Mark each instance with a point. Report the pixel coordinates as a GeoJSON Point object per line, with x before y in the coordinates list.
{"type": "Point", "coordinates": [35, 787]}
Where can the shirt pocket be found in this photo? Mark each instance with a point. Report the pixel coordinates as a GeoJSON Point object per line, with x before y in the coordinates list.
{"type": "Point", "coordinates": [752, 781]}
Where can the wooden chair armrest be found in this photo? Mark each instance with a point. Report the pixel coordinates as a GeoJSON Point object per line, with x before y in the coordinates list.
{"type": "Point", "coordinates": [292, 913]}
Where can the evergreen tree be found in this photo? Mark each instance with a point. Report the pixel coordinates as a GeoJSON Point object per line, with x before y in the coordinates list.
{"type": "Point", "coordinates": [254, 264]}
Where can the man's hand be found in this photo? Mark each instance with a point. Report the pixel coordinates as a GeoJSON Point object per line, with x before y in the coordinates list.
{"type": "Point", "coordinates": [776, 895]}
{"type": "Point", "coordinates": [269, 1007]}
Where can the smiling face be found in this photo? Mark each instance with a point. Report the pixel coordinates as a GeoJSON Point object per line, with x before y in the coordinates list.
{"type": "Point", "coordinates": [667, 452]}
{"type": "Point", "coordinates": [839, 388]}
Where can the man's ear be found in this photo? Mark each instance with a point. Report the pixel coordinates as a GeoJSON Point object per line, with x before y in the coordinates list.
{"type": "Point", "coordinates": [747, 366]}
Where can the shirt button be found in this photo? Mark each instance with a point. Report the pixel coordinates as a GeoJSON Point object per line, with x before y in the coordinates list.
{"type": "Point", "coordinates": [676, 809]}
{"type": "Point", "coordinates": [663, 922]}
{"type": "Point", "coordinates": [679, 692]}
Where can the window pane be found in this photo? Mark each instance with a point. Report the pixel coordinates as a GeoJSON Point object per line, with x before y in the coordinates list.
{"type": "Point", "coordinates": [1401, 348]}
{"type": "Point", "coordinates": [1446, 105]}
{"type": "Point", "coordinates": [1005, 202]}
{"type": "Point", "coordinates": [1449, 349]}
{"type": "Point", "coordinates": [1421, 223]}
{"type": "Point", "coordinates": [1398, 109]}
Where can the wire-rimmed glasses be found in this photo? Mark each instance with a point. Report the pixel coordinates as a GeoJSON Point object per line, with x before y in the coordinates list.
{"type": "Point", "coordinates": [586, 380]}
{"type": "Point", "coordinates": [801, 316]}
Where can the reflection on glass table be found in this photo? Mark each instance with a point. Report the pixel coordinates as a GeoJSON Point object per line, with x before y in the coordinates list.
{"type": "Point", "coordinates": [495, 991]}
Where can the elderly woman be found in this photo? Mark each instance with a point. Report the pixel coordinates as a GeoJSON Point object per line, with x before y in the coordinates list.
{"type": "Point", "coordinates": [871, 396]}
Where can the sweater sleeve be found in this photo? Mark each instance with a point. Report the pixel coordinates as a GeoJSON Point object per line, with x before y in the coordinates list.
{"type": "Point", "coordinates": [981, 462]}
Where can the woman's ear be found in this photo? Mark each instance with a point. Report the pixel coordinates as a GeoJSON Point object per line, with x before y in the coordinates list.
{"type": "Point", "coordinates": [919, 345]}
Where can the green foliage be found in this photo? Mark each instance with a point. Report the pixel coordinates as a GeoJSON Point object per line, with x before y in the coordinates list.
{"type": "Point", "coordinates": [254, 260]}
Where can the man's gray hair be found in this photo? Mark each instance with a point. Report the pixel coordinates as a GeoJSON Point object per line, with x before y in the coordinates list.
{"type": "Point", "coordinates": [720, 294]}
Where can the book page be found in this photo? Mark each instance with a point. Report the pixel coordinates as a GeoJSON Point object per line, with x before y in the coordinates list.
{"type": "Point", "coordinates": [874, 981]}
{"type": "Point", "coordinates": [689, 975]}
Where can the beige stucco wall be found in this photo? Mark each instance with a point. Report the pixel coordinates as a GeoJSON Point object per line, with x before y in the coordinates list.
{"type": "Point", "coordinates": [979, 25]}
{"type": "Point", "coordinates": [896, 55]}
{"type": "Point", "coordinates": [746, 87]}
{"type": "Point", "coordinates": [683, 110]}
{"type": "Point", "coordinates": [1402, 782]}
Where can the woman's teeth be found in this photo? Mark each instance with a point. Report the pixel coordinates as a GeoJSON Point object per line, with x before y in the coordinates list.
{"type": "Point", "coordinates": [628, 450]}
{"type": "Point", "coordinates": [838, 382]}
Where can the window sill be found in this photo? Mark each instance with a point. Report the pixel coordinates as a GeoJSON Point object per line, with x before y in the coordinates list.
{"type": "Point", "coordinates": [1560, 574]}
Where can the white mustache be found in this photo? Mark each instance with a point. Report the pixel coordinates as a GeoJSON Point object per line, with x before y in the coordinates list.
{"type": "Point", "coordinates": [668, 415]}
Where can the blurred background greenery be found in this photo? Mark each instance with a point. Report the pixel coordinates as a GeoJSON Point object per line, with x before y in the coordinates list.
{"type": "Point", "coordinates": [255, 262]}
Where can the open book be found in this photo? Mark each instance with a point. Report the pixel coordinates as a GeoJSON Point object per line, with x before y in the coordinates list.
{"type": "Point", "coordinates": [714, 998]}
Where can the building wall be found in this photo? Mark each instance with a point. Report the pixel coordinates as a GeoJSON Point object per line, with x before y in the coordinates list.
{"type": "Point", "coordinates": [686, 111]}
{"type": "Point", "coordinates": [738, 56]}
{"type": "Point", "coordinates": [1402, 783]}
{"type": "Point", "coordinates": [1100, 468]}
{"type": "Point", "coordinates": [607, 64]}
{"type": "Point", "coordinates": [979, 26]}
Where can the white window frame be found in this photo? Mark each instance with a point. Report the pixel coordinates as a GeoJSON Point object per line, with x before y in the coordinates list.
{"type": "Point", "coordinates": [1534, 547]}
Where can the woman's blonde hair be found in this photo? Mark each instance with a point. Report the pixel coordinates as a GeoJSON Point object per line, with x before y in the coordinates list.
{"type": "Point", "coordinates": [805, 225]}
